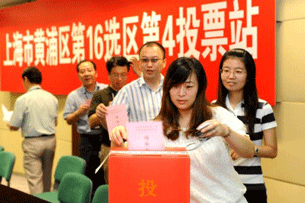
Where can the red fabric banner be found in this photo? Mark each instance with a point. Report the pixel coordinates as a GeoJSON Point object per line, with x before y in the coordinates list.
{"type": "Point", "coordinates": [55, 35]}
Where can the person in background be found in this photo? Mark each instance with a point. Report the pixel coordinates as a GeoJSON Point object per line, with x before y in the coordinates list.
{"type": "Point", "coordinates": [118, 68]}
{"type": "Point", "coordinates": [237, 92]}
{"type": "Point", "coordinates": [184, 111]}
{"type": "Point", "coordinates": [76, 112]}
{"type": "Point", "coordinates": [35, 113]}
{"type": "Point", "coordinates": [142, 97]}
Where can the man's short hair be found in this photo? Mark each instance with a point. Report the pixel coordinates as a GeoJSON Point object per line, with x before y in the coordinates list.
{"type": "Point", "coordinates": [117, 61]}
{"type": "Point", "coordinates": [83, 61]}
{"type": "Point", "coordinates": [33, 74]}
{"type": "Point", "coordinates": [151, 44]}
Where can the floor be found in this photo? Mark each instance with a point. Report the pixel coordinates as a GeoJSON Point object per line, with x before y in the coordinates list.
{"type": "Point", "coordinates": [18, 182]}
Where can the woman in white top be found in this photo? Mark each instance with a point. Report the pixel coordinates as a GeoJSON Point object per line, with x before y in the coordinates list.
{"type": "Point", "coordinates": [237, 92]}
{"type": "Point", "coordinates": [185, 109]}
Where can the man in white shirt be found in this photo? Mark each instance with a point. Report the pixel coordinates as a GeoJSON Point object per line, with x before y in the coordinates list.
{"type": "Point", "coordinates": [35, 113]}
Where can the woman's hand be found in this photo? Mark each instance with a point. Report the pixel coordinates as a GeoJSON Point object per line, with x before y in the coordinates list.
{"type": "Point", "coordinates": [118, 134]}
{"type": "Point", "coordinates": [211, 128]}
{"type": "Point", "coordinates": [241, 144]}
{"type": "Point", "coordinates": [234, 156]}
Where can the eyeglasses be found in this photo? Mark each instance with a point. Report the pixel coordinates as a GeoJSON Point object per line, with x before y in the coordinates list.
{"type": "Point", "coordinates": [117, 75]}
{"type": "Point", "coordinates": [145, 61]}
{"type": "Point", "coordinates": [236, 72]}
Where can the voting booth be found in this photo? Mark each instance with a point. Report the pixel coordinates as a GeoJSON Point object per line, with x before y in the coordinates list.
{"type": "Point", "coordinates": [149, 176]}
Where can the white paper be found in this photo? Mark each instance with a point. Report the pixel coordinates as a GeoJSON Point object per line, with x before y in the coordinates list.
{"type": "Point", "coordinates": [145, 135]}
{"type": "Point", "coordinates": [6, 114]}
{"type": "Point", "coordinates": [99, 167]}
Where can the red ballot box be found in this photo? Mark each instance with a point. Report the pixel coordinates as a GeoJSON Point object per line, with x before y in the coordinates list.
{"type": "Point", "coordinates": [149, 176]}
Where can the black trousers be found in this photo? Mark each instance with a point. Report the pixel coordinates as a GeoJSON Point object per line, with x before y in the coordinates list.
{"type": "Point", "coordinates": [89, 148]}
{"type": "Point", "coordinates": [256, 193]}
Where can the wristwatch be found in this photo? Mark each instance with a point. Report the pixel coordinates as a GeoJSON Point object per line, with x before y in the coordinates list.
{"type": "Point", "coordinates": [256, 151]}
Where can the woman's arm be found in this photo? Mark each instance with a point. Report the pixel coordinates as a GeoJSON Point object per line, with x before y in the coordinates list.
{"type": "Point", "coordinates": [269, 149]}
{"type": "Point", "coordinates": [241, 144]}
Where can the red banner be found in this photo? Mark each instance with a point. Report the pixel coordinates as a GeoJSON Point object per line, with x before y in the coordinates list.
{"type": "Point", "coordinates": [55, 35]}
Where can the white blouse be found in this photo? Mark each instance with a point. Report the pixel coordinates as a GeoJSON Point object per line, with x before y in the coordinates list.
{"type": "Point", "coordinates": [213, 178]}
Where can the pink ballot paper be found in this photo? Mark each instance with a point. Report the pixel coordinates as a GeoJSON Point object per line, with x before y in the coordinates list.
{"type": "Point", "coordinates": [117, 115]}
{"type": "Point", "coordinates": [145, 136]}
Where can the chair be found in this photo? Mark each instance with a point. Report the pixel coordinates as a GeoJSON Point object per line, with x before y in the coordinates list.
{"type": "Point", "coordinates": [7, 161]}
{"type": "Point", "coordinates": [68, 164]}
{"type": "Point", "coordinates": [101, 194]}
{"type": "Point", "coordinates": [65, 164]}
{"type": "Point", "coordinates": [75, 188]}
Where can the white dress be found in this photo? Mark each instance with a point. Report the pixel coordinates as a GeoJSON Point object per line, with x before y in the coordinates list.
{"type": "Point", "coordinates": [213, 178]}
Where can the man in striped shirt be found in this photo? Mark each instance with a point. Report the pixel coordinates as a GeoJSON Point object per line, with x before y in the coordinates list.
{"type": "Point", "coordinates": [142, 97]}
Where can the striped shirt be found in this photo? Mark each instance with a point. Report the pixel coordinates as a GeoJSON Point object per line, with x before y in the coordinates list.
{"type": "Point", "coordinates": [142, 103]}
{"type": "Point", "coordinates": [250, 170]}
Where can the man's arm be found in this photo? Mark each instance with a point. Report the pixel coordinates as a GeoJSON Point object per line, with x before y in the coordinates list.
{"type": "Point", "coordinates": [12, 127]}
{"type": "Point", "coordinates": [101, 112]}
{"type": "Point", "coordinates": [92, 117]}
{"type": "Point", "coordinates": [94, 121]}
{"type": "Point", "coordinates": [73, 112]}
{"type": "Point", "coordinates": [75, 116]}
{"type": "Point", "coordinates": [135, 66]}
{"type": "Point", "coordinates": [17, 116]}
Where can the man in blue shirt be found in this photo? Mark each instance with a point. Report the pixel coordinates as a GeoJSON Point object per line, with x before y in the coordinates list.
{"type": "Point", "coordinates": [76, 112]}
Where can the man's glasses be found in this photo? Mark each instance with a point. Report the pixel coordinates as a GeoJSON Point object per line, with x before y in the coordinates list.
{"type": "Point", "coordinates": [145, 61]}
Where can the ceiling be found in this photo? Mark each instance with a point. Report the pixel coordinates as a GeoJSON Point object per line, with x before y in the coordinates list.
{"type": "Point", "coordinates": [8, 3]}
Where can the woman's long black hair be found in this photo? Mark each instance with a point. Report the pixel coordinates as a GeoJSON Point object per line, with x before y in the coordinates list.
{"type": "Point", "coordinates": [249, 91]}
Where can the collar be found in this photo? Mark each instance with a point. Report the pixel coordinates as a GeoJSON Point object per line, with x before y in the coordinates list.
{"type": "Point", "coordinates": [142, 81]}
{"type": "Point", "coordinates": [239, 105]}
{"type": "Point", "coordinates": [84, 90]}
{"type": "Point", "coordinates": [36, 87]}
{"type": "Point", "coordinates": [112, 90]}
